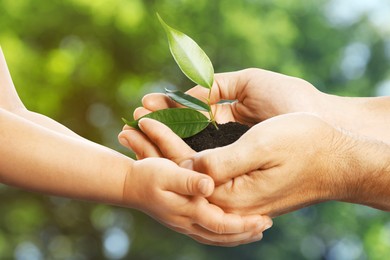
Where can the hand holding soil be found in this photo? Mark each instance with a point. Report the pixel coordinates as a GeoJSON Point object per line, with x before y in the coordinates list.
{"type": "Point", "coordinates": [259, 94]}
{"type": "Point", "coordinates": [280, 165]}
{"type": "Point", "coordinates": [256, 94]}
{"type": "Point", "coordinates": [182, 206]}
{"type": "Point", "coordinates": [290, 160]}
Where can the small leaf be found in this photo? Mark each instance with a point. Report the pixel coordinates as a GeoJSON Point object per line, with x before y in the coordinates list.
{"type": "Point", "coordinates": [184, 122]}
{"type": "Point", "coordinates": [133, 124]}
{"type": "Point", "coordinates": [190, 58]}
{"type": "Point", "coordinates": [187, 100]}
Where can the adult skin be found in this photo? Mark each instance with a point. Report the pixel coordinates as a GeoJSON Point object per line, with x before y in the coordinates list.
{"type": "Point", "coordinates": [282, 164]}
{"type": "Point", "coordinates": [41, 155]}
{"type": "Point", "coordinates": [267, 170]}
{"type": "Point", "coordinates": [261, 94]}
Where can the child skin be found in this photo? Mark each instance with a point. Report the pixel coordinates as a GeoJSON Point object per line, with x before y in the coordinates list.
{"type": "Point", "coordinates": [304, 146]}
{"type": "Point", "coordinates": [41, 155]}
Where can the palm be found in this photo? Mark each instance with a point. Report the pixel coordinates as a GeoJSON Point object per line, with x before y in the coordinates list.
{"type": "Point", "coordinates": [288, 171]}
{"type": "Point", "coordinates": [236, 112]}
{"type": "Point", "coordinates": [256, 95]}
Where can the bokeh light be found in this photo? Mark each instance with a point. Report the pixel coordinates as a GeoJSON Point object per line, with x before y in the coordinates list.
{"type": "Point", "coordinates": [88, 63]}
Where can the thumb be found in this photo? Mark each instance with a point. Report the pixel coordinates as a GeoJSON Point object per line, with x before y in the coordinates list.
{"type": "Point", "coordinates": [225, 163]}
{"type": "Point", "coordinates": [191, 183]}
{"type": "Point", "coordinates": [171, 146]}
{"type": "Point", "coordinates": [226, 86]}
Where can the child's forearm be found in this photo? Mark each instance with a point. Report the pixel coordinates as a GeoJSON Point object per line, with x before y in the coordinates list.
{"type": "Point", "coordinates": [39, 154]}
{"type": "Point", "coordinates": [9, 98]}
{"type": "Point", "coordinates": [46, 122]}
{"type": "Point", "coordinates": [38, 159]}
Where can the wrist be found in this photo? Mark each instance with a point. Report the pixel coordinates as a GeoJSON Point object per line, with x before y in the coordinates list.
{"type": "Point", "coordinates": [111, 171]}
{"type": "Point", "coordinates": [367, 175]}
{"type": "Point", "coordinates": [337, 111]}
{"type": "Point", "coordinates": [130, 196]}
{"type": "Point", "coordinates": [375, 176]}
{"type": "Point", "coordinates": [367, 116]}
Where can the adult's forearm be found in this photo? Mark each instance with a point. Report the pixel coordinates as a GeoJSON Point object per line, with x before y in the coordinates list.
{"type": "Point", "coordinates": [367, 177]}
{"type": "Point", "coordinates": [375, 187]}
{"type": "Point", "coordinates": [367, 116]}
{"type": "Point", "coordinates": [38, 159]}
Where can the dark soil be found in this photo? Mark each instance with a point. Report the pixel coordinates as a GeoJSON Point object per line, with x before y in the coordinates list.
{"type": "Point", "coordinates": [210, 137]}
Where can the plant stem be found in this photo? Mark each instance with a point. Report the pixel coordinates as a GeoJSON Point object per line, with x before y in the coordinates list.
{"type": "Point", "coordinates": [212, 118]}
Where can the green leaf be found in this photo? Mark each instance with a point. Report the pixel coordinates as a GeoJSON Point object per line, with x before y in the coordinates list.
{"type": "Point", "coordinates": [185, 122]}
{"type": "Point", "coordinates": [191, 59]}
{"type": "Point", "coordinates": [187, 100]}
{"type": "Point", "coordinates": [133, 124]}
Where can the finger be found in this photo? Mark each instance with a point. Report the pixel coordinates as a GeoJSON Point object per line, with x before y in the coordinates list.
{"type": "Point", "coordinates": [138, 143]}
{"type": "Point", "coordinates": [127, 127]}
{"type": "Point", "coordinates": [199, 92]}
{"type": "Point", "coordinates": [205, 236]}
{"type": "Point", "coordinates": [226, 86]}
{"type": "Point", "coordinates": [217, 221]}
{"type": "Point", "coordinates": [247, 154]}
{"type": "Point", "coordinates": [157, 101]}
{"type": "Point", "coordinates": [228, 240]}
{"type": "Point", "coordinates": [224, 163]}
{"type": "Point", "coordinates": [170, 145]}
{"type": "Point", "coordinates": [190, 183]}
{"type": "Point", "coordinates": [140, 112]}
{"type": "Point", "coordinates": [238, 196]}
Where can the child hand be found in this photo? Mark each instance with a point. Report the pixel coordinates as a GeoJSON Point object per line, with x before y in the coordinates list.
{"type": "Point", "coordinates": [176, 197]}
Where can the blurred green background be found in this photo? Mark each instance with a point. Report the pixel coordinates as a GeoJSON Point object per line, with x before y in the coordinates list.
{"type": "Point", "coordinates": [88, 63]}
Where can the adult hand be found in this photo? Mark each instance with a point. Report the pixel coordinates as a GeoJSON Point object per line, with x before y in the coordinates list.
{"type": "Point", "coordinates": [283, 164]}
{"type": "Point", "coordinates": [176, 197]}
{"type": "Point", "coordinates": [257, 94]}
{"type": "Point", "coordinates": [280, 165]}
{"type": "Point", "coordinates": [292, 161]}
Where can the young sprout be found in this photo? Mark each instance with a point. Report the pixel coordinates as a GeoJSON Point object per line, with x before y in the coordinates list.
{"type": "Point", "coordinates": [195, 64]}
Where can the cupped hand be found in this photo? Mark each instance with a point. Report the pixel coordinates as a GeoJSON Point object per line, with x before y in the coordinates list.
{"type": "Point", "coordinates": [176, 197]}
{"type": "Point", "coordinates": [159, 141]}
{"type": "Point", "coordinates": [256, 94]}
{"type": "Point", "coordinates": [280, 165]}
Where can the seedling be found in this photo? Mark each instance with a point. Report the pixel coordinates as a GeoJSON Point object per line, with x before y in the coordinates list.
{"type": "Point", "coordinates": [195, 64]}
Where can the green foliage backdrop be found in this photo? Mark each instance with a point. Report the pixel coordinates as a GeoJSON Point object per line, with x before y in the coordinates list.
{"type": "Point", "coordinates": [88, 63]}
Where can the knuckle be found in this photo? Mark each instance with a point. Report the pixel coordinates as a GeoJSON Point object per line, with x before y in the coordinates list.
{"type": "Point", "coordinates": [220, 228]}
{"type": "Point", "coordinates": [209, 165]}
{"type": "Point", "coordinates": [190, 184]}
{"type": "Point", "coordinates": [250, 71]}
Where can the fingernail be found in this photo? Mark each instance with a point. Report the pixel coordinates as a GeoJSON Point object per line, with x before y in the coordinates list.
{"type": "Point", "coordinates": [140, 124]}
{"type": "Point", "coordinates": [188, 164]}
{"type": "Point", "coordinates": [258, 236]}
{"type": "Point", "coordinates": [267, 226]}
{"type": "Point", "coordinates": [204, 186]}
{"type": "Point", "coordinates": [123, 141]}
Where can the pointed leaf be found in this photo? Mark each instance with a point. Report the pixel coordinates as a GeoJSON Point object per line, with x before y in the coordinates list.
{"type": "Point", "coordinates": [187, 100]}
{"type": "Point", "coordinates": [133, 124]}
{"type": "Point", "coordinates": [184, 122]}
{"type": "Point", "coordinates": [191, 59]}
